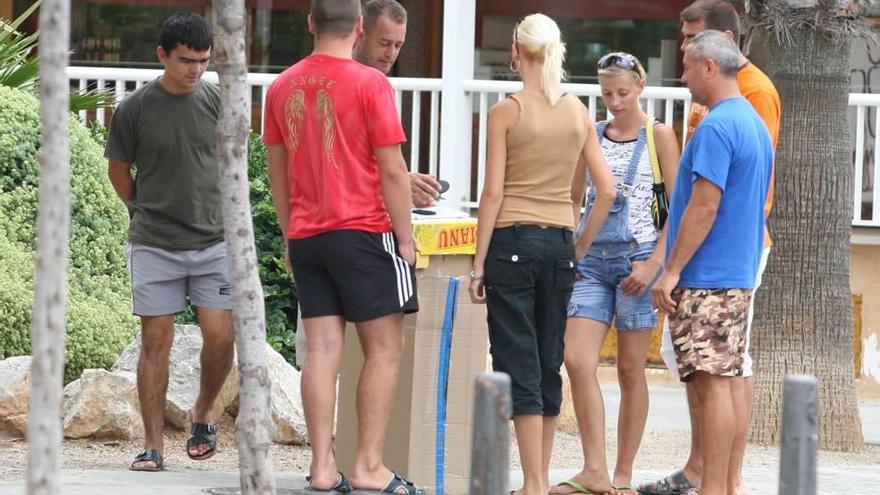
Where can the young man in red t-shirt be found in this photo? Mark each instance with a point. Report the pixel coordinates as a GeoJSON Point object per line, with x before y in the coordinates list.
{"type": "Point", "coordinates": [341, 190]}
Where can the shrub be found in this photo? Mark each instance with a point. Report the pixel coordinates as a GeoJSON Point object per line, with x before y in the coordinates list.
{"type": "Point", "coordinates": [99, 323]}
{"type": "Point", "coordinates": [278, 287]}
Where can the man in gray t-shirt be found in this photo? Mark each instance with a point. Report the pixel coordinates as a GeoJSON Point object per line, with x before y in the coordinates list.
{"type": "Point", "coordinates": [165, 131]}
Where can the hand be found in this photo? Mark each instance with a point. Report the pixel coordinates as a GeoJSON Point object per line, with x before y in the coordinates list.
{"type": "Point", "coordinates": [425, 189]}
{"type": "Point", "coordinates": [661, 294]}
{"type": "Point", "coordinates": [641, 275]}
{"type": "Point", "coordinates": [287, 259]}
{"type": "Point", "coordinates": [477, 290]}
{"type": "Point", "coordinates": [407, 251]}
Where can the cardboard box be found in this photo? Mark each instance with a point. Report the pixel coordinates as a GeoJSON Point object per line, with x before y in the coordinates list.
{"type": "Point", "coordinates": [410, 446]}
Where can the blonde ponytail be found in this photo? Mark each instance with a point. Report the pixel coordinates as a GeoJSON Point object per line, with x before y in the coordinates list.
{"type": "Point", "coordinates": [539, 38]}
{"type": "Point", "coordinates": [551, 80]}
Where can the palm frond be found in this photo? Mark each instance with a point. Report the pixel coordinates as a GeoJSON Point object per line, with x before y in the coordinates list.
{"type": "Point", "coordinates": [91, 100]}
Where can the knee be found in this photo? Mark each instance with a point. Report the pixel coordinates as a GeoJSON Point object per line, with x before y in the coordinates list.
{"type": "Point", "coordinates": [156, 347]}
{"type": "Point", "coordinates": [577, 362]}
{"type": "Point", "coordinates": [220, 341]}
{"type": "Point", "coordinates": [629, 373]}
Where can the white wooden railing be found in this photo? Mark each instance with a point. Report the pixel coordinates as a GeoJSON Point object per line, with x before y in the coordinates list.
{"type": "Point", "coordinates": [419, 102]}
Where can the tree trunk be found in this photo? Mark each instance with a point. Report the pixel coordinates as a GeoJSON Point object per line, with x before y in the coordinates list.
{"type": "Point", "coordinates": [803, 314]}
{"type": "Point", "coordinates": [254, 425]}
{"type": "Point", "coordinates": [53, 225]}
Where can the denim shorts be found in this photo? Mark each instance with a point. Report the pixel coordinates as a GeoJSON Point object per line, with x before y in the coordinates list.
{"type": "Point", "coordinates": [597, 294]}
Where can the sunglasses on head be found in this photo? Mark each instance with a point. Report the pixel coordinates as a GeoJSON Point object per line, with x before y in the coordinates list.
{"type": "Point", "coordinates": [620, 60]}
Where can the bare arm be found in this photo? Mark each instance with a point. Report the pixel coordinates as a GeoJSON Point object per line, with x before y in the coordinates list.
{"type": "Point", "coordinates": [643, 272]}
{"type": "Point", "coordinates": [578, 188]}
{"type": "Point", "coordinates": [394, 179]}
{"type": "Point", "coordinates": [603, 182]}
{"type": "Point", "coordinates": [120, 177]}
{"type": "Point", "coordinates": [278, 183]}
{"type": "Point", "coordinates": [502, 117]}
{"type": "Point", "coordinates": [696, 222]}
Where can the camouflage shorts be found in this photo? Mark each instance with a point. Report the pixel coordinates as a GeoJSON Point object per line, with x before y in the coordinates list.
{"type": "Point", "coordinates": [708, 330]}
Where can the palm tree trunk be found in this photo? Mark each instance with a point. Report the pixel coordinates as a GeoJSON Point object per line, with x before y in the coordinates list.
{"type": "Point", "coordinates": [53, 225]}
{"type": "Point", "coordinates": [803, 314]}
{"type": "Point", "coordinates": [254, 426]}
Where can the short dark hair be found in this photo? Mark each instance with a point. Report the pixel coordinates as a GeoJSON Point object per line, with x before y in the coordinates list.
{"type": "Point", "coordinates": [374, 9]}
{"type": "Point", "coordinates": [719, 15]}
{"type": "Point", "coordinates": [185, 28]}
{"type": "Point", "coordinates": [335, 17]}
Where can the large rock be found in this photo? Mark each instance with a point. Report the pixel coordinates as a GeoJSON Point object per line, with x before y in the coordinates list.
{"type": "Point", "coordinates": [102, 404]}
{"type": "Point", "coordinates": [183, 376]}
{"type": "Point", "coordinates": [287, 408]}
{"type": "Point", "coordinates": [15, 375]}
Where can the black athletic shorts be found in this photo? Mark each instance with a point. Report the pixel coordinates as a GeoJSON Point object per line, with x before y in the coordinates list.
{"type": "Point", "coordinates": [359, 275]}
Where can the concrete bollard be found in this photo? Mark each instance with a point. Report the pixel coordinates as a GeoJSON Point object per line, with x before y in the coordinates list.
{"type": "Point", "coordinates": [800, 411]}
{"type": "Point", "coordinates": [490, 447]}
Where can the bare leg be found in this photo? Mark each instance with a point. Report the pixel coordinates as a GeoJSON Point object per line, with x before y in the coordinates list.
{"type": "Point", "coordinates": [218, 349]}
{"type": "Point", "coordinates": [716, 424]}
{"type": "Point", "coordinates": [583, 344]}
{"type": "Point", "coordinates": [548, 432]}
{"type": "Point", "coordinates": [530, 437]}
{"type": "Point", "coordinates": [693, 469]}
{"type": "Point", "coordinates": [326, 337]}
{"type": "Point", "coordinates": [157, 335]}
{"type": "Point", "coordinates": [743, 395]}
{"type": "Point", "coordinates": [632, 351]}
{"type": "Point", "coordinates": [382, 340]}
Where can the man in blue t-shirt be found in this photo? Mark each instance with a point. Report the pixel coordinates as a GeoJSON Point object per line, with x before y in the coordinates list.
{"type": "Point", "coordinates": [715, 239]}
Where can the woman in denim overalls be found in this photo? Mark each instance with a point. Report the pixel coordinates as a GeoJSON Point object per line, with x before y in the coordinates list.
{"type": "Point", "coordinates": [613, 281]}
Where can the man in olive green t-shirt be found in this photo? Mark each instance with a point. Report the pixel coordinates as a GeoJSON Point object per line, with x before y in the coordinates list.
{"type": "Point", "coordinates": [166, 131]}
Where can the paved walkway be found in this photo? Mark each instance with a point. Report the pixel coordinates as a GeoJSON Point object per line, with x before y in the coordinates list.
{"type": "Point", "coordinates": [667, 411]}
{"type": "Point", "coordinates": [762, 481]}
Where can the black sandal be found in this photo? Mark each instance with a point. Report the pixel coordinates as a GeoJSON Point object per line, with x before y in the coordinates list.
{"type": "Point", "coordinates": [202, 434]}
{"type": "Point", "coordinates": [151, 455]}
{"type": "Point", "coordinates": [341, 486]}
{"type": "Point", "coordinates": [402, 486]}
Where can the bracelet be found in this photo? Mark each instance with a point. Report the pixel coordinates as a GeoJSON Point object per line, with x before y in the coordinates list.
{"type": "Point", "coordinates": [474, 276]}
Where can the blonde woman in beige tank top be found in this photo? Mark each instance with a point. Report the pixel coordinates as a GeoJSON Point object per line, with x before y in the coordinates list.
{"type": "Point", "coordinates": [540, 143]}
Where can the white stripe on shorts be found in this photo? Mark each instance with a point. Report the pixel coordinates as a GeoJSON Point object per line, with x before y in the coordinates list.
{"type": "Point", "coordinates": [401, 269]}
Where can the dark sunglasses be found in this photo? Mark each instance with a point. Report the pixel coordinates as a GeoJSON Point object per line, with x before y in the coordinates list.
{"type": "Point", "coordinates": [620, 60]}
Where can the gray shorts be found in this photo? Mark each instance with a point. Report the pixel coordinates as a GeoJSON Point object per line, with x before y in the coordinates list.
{"type": "Point", "coordinates": [162, 280]}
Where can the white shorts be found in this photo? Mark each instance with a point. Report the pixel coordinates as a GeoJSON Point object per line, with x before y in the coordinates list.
{"type": "Point", "coordinates": [668, 353]}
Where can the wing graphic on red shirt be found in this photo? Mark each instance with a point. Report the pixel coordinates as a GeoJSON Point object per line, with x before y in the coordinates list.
{"type": "Point", "coordinates": [327, 115]}
{"type": "Point", "coordinates": [294, 113]}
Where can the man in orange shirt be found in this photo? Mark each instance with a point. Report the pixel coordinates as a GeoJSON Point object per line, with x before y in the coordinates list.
{"type": "Point", "coordinates": [757, 88]}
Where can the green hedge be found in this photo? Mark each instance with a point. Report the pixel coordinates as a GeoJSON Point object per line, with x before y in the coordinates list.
{"type": "Point", "coordinates": [99, 323]}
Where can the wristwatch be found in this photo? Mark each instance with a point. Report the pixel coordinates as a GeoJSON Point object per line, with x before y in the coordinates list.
{"type": "Point", "coordinates": [474, 276]}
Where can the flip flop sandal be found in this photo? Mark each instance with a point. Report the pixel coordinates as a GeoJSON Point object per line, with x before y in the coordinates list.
{"type": "Point", "coordinates": [664, 486]}
{"type": "Point", "coordinates": [577, 487]}
{"type": "Point", "coordinates": [397, 485]}
{"type": "Point", "coordinates": [341, 486]}
{"type": "Point", "coordinates": [151, 455]}
{"type": "Point", "coordinates": [202, 434]}
{"type": "Point", "coordinates": [625, 489]}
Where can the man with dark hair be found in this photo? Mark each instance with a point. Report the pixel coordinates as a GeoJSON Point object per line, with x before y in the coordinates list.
{"type": "Point", "coordinates": [717, 213]}
{"type": "Point", "coordinates": [165, 130]}
{"type": "Point", "coordinates": [379, 47]}
{"type": "Point", "coordinates": [340, 188]}
{"type": "Point", "coordinates": [757, 88]}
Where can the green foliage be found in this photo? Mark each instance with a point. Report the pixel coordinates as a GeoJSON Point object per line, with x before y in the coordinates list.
{"type": "Point", "coordinates": [99, 323]}
{"type": "Point", "coordinates": [20, 67]}
{"type": "Point", "coordinates": [278, 287]}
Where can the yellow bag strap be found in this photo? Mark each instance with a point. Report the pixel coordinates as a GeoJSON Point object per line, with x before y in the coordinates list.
{"type": "Point", "coordinates": [652, 151]}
